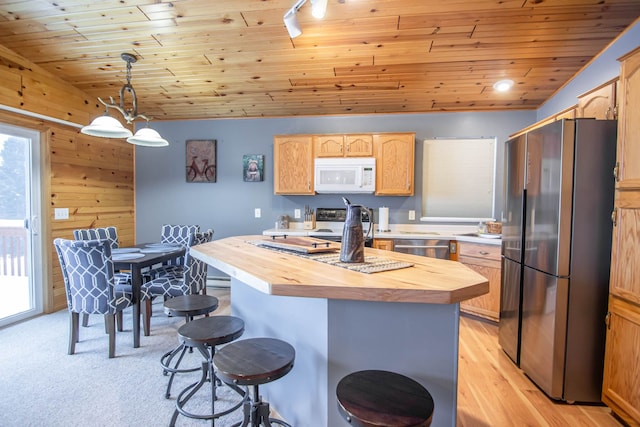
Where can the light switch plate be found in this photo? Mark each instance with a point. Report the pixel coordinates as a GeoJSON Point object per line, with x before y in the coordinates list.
{"type": "Point", "coordinates": [297, 213]}
{"type": "Point", "coordinates": [412, 215]}
{"type": "Point", "coordinates": [258, 213]}
{"type": "Point", "coordinates": [61, 213]}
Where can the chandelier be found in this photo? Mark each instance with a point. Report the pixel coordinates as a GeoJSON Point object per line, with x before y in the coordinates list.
{"type": "Point", "coordinates": [106, 126]}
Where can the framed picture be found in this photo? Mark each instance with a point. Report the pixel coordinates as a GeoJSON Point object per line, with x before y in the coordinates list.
{"type": "Point", "coordinates": [253, 167]}
{"type": "Point", "coordinates": [201, 160]}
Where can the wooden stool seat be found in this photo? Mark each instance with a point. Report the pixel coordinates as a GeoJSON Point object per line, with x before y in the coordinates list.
{"type": "Point", "coordinates": [190, 305]}
{"type": "Point", "coordinates": [211, 331]}
{"type": "Point", "coordinates": [381, 398]}
{"type": "Point", "coordinates": [253, 362]}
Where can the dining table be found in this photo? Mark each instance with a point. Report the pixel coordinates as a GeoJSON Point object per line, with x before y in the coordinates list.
{"type": "Point", "coordinates": [136, 259]}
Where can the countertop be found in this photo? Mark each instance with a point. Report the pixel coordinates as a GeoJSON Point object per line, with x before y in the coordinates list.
{"type": "Point", "coordinates": [463, 233]}
{"type": "Point", "coordinates": [429, 280]}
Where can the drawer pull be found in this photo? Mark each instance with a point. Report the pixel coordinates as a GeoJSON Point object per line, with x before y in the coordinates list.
{"type": "Point", "coordinates": [484, 253]}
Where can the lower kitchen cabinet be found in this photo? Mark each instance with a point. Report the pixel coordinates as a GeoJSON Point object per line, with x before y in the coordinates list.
{"type": "Point", "coordinates": [385, 244]}
{"type": "Point", "coordinates": [620, 388]}
{"type": "Point", "coordinates": [485, 260]}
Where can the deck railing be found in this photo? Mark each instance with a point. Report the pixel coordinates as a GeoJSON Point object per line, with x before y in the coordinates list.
{"type": "Point", "coordinates": [13, 250]}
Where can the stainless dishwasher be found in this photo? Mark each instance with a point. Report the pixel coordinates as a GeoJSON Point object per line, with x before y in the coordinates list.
{"type": "Point", "coordinates": [433, 248]}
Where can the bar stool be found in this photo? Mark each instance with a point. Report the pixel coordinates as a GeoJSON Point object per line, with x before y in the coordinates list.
{"type": "Point", "coordinates": [383, 399]}
{"type": "Point", "coordinates": [204, 335]}
{"type": "Point", "coordinates": [188, 306]}
{"type": "Point", "coordinates": [253, 362]}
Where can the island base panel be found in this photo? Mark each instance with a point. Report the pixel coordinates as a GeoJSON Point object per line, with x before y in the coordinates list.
{"type": "Point", "coordinates": [333, 338]}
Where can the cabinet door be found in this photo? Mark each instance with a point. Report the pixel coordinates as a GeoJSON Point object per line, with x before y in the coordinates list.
{"type": "Point", "coordinates": [394, 164]}
{"type": "Point", "coordinates": [358, 145]}
{"type": "Point", "coordinates": [385, 244]}
{"type": "Point", "coordinates": [598, 103]}
{"type": "Point", "coordinates": [328, 145]}
{"type": "Point", "coordinates": [487, 305]}
{"type": "Point", "coordinates": [620, 388]}
{"type": "Point", "coordinates": [625, 250]}
{"type": "Point", "coordinates": [293, 164]}
{"type": "Point", "coordinates": [628, 123]}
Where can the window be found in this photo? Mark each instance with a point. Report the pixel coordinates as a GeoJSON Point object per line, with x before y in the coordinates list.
{"type": "Point", "coordinates": [458, 179]}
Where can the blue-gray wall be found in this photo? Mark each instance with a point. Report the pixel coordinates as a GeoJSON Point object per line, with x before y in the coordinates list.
{"type": "Point", "coordinates": [227, 206]}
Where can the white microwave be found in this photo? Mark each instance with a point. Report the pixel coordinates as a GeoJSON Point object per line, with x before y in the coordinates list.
{"type": "Point", "coordinates": [345, 175]}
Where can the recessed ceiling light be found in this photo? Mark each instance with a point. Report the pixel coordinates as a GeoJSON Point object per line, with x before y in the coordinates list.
{"type": "Point", "coordinates": [503, 85]}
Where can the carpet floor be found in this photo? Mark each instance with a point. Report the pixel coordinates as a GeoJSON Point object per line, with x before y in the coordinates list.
{"type": "Point", "coordinates": [40, 385]}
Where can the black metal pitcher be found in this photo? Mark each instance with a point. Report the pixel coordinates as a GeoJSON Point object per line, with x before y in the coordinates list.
{"type": "Point", "coordinates": [353, 236]}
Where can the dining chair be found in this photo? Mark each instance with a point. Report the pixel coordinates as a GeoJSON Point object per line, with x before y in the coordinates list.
{"type": "Point", "coordinates": [87, 271]}
{"type": "Point", "coordinates": [110, 234]}
{"type": "Point", "coordinates": [106, 233]}
{"type": "Point", "coordinates": [193, 279]}
{"type": "Point", "coordinates": [174, 235]}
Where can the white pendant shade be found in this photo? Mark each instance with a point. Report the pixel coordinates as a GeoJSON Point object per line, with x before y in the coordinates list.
{"type": "Point", "coordinates": [106, 127]}
{"type": "Point", "coordinates": [148, 137]}
{"type": "Point", "coordinates": [318, 8]}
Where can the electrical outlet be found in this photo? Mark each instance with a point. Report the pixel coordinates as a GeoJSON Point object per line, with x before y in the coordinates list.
{"type": "Point", "coordinates": [258, 213]}
{"type": "Point", "coordinates": [297, 213]}
{"type": "Point", "coordinates": [412, 215]}
{"type": "Point", "coordinates": [61, 213]}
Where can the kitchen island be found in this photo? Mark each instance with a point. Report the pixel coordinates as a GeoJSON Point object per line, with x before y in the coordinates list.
{"type": "Point", "coordinates": [340, 321]}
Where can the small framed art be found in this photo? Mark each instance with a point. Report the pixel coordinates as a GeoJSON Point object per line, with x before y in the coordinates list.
{"type": "Point", "coordinates": [253, 167]}
{"type": "Point", "coordinates": [201, 160]}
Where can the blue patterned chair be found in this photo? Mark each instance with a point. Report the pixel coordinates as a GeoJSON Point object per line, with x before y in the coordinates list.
{"type": "Point", "coordinates": [110, 234]}
{"type": "Point", "coordinates": [193, 279]}
{"type": "Point", "coordinates": [87, 270]}
{"type": "Point", "coordinates": [106, 233]}
{"type": "Point", "coordinates": [174, 235]}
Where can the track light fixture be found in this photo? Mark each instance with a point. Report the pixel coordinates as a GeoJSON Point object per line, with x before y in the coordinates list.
{"type": "Point", "coordinates": [107, 127]}
{"type": "Point", "coordinates": [318, 10]}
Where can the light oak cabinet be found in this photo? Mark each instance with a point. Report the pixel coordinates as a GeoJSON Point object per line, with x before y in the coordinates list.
{"type": "Point", "coordinates": [620, 388]}
{"type": "Point", "coordinates": [599, 103]}
{"type": "Point", "coordinates": [351, 145]}
{"type": "Point", "coordinates": [293, 164]}
{"type": "Point", "coordinates": [385, 244]}
{"type": "Point", "coordinates": [394, 153]}
{"type": "Point", "coordinates": [485, 260]}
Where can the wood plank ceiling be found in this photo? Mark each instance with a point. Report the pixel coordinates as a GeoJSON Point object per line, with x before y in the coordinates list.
{"type": "Point", "coordinates": [234, 58]}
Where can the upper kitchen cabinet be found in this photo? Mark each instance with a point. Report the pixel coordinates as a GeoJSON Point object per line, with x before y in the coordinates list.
{"type": "Point", "coordinates": [394, 153]}
{"type": "Point", "coordinates": [619, 389]}
{"type": "Point", "coordinates": [350, 145]}
{"type": "Point", "coordinates": [293, 164]}
{"type": "Point", "coordinates": [599, 103]}
{"type": "Point", "coordinates": [628, 170]}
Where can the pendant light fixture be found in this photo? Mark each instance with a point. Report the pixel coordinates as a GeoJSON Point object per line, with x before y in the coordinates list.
{"type": "Point", "coordinates": [318, 10]}
{"type": "Point", "coordinates": [107, 127]}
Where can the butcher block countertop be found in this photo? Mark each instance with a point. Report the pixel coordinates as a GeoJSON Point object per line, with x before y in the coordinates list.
{"type": "Point", "coordinates": [429, 280]}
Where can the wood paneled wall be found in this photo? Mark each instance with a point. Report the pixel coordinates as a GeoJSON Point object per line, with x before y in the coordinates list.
{"type": "Point", "coordinates": [93, 177]}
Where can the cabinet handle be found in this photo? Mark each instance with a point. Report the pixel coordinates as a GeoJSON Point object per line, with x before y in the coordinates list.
{"type": "Point", "coordinates": [484, 253]}
{"type": "Point", "coordinates": [607, 320]}
{"type": "Point", "coordinates": [614, 216]}
{"type": "Point", "coordinates": [616, 171]}
{"type": "Point", "coordinates": [607, 114]}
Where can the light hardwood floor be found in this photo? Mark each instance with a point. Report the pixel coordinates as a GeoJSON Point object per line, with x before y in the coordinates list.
{"type": "Point", "coordinates": [492, 391]}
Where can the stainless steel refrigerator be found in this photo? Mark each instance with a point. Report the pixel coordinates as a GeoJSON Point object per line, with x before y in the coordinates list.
{"type": "Point", "coordinates": [556, 249]}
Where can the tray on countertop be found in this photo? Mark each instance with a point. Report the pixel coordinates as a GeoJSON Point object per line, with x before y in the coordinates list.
{"type": "Point", "coordinates": [305, 245]}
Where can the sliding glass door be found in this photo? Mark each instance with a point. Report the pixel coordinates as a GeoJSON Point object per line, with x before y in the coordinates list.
{"type": "Point", "coordinates": [21, 285]}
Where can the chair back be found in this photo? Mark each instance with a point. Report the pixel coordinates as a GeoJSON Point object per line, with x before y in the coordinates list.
{"type": "Point", "coordinates": [195, 271]}
{"type": "Point", "coordinates": [87, 270]}
{"type": "Point", "coordinates": [108, 233]}
{"type": "Point", "coordinates": [178, 234]}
